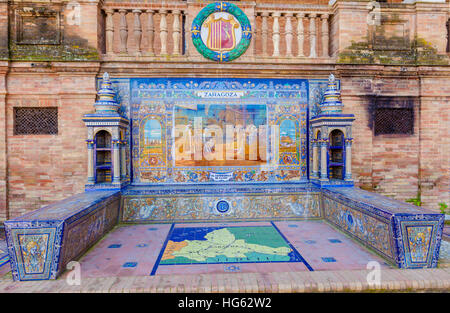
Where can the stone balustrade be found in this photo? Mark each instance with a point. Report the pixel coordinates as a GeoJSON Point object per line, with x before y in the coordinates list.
{"type": "Point", "coordinates": [293, 34]}
{"type": "Point", "coordinates": [289, 34]}
{"type": "Point", "coordinates": [144, 31]}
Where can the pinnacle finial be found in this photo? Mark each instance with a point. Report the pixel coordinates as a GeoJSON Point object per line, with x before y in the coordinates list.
{"type": "Point", "coordinates": [331, 78]}
{"type": "Point", "coordinates": [332, 98]}
{"type": "Point", "coordinates": [106, 94]}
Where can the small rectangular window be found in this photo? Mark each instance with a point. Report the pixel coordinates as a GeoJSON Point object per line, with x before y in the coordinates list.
{"type": "Point", "coordinates": [394, 121]}
{"type": "Point", "coordinates": [36, 121]}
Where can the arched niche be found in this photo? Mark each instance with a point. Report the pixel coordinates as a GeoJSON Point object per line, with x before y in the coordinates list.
{"type": "Point", "coordinates": [103, 157]}
{"type": "Point", "coordinates": [336, 154]}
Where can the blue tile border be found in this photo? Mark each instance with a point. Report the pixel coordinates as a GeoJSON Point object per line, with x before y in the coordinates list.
{"type": "Point", "coordinates": [161, 252]}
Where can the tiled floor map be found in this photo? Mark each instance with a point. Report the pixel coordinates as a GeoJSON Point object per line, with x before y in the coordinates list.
{"type": "Point", "coordinates": [227, 244]}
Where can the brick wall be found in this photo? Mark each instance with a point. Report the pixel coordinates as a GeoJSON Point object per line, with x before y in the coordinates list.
{"type": "Point", "coordinates": [46, 168]}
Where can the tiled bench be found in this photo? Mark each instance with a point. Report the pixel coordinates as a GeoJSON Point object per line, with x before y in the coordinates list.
{"type": "Point", "coordinates": [406, 235]}
{"type": "Point", "coordinates": [42, 242]}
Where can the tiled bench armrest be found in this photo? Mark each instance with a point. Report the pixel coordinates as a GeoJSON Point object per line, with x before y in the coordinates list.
{"type": "Point", "coordinates": [407, 235]}
{"type": "Point", "coordinates": [42, 242]}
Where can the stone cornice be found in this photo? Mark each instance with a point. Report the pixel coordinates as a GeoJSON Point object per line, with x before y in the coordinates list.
{"type": "Point", "coordinates": [73, 68]}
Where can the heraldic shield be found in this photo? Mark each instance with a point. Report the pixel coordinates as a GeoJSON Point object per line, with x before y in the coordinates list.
{"type": "Point", "coordinates": [221, 33]}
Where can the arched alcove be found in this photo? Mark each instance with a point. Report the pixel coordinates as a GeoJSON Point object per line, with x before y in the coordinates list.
{"type": "Point", "coordinates": [336, 155]}
{"type": "Point", "coordinates": [103, 153]}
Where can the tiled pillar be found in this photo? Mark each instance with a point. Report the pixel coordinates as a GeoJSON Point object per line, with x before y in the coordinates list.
{"type": "Point", "coordinates": [315, 165]}
{"type": "Point", "coordinates": [91, 176]}
{"type": "Point", "coordinates": [116, 161]}
{"type": "Point", "coordinates": [348, 159]}
{"type": "Point", "coordinates": [323, 160]}
{"type": "Point", "coordinates": [123, 167]}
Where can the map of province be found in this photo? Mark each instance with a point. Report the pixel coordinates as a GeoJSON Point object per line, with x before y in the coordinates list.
{"type": "Point", "coordinates": [227, 245]}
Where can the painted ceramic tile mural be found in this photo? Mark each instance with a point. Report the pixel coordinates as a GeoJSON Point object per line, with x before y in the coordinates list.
{"type": "Point", "coordinates": [157, 106]}
{"type": "Point", "coordinates": [419, 239]}
{"type": "Point", "coordinates": [219, 207]}
{"type": "Point", "coordinates": [372, 231]}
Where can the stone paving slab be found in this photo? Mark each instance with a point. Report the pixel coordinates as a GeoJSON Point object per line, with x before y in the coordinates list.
{"type": "Point", "coordinates": [319, 281]}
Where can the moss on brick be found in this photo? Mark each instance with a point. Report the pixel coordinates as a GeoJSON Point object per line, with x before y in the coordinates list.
{"type": "Point", "coordinates": [64, 52]}
{"type": "Point", "coordinates": [420, 52]}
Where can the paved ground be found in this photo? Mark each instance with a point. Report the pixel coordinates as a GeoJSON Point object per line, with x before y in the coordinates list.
{"type": "Point", "coordinates": [318, 281]}
{"type": "Point", "coordinates": [264, 247]}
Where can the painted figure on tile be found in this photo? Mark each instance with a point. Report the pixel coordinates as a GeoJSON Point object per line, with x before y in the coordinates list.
{"type": "Point", "coordinates": [419, 238]}
{"type": "Point", "coordinates": [34, 248]}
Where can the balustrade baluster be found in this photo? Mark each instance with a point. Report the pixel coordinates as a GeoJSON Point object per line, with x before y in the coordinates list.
{"type": "Point", "coordinates": [276, 34]}
{"type": "Point", "coordinates": [123, 31]}
{"type": "Point", "coordinates": [150, 32]}
{"type": "Point", "coordinates": [264, 34]}
{"type": "Point", "coordinates": [325, 36]}
{"type": "Point", "coordinates": [289, 36]}
{"type": "Point", "coordinates": [137, 31]}
{"type": "Point", "coordinates": [312, 35]}
{"type": "Point", "coordinates": [109, 29]}
{"type": "Point", "coordinates": [163, 32]}
{"type": "Point", "coordinates": [176, 32]}
{"type": "Point", "coordinates": [300, 34]}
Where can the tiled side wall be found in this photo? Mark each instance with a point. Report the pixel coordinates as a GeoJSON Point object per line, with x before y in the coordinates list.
{"type": "Point", "coordinates": [207, 208]}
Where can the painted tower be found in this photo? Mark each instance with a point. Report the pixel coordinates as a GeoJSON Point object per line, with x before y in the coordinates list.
{"type": "Point", "coordinates": [332, 140]}
{"type": "Point", "coordinates": [106, 145]}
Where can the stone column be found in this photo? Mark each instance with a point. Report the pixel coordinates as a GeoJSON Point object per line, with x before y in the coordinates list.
{"type": "Point", "coordinates": [300, 34]}
{"type": "Point", "coordinates": [323, 160]}
{"type": "Point", "coordinates": [123, 31]}
{"type": "Point", "coordinates": [312, 35]}
{"type": "Point", "coordinates": [276, 34]}
{"type": "Point", "coordinates": [116, 161]}
{"type": "Point", "coordinates": [348, 159]}
{"type": "Point", "coordinates": [315, 165]}
{"type": "Point", "coordinates": [325, 36]}
{"type": "Point", "coordinates": [176, 32]}
{"type": "Point", "coordinates": [289, 36]}
{"type": "Point", "coordinates": [137, 31]}
{"type": "Point", "coordinates": [163, 31]}
{"type": "Point", "coordinates": [91, 174]}
{"type": "Point", "coordinates": [264, 33]}
{"type": "Point", "coordinates": [150, 32]}
{"type": "Point", "coordinates": [109, 28]}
